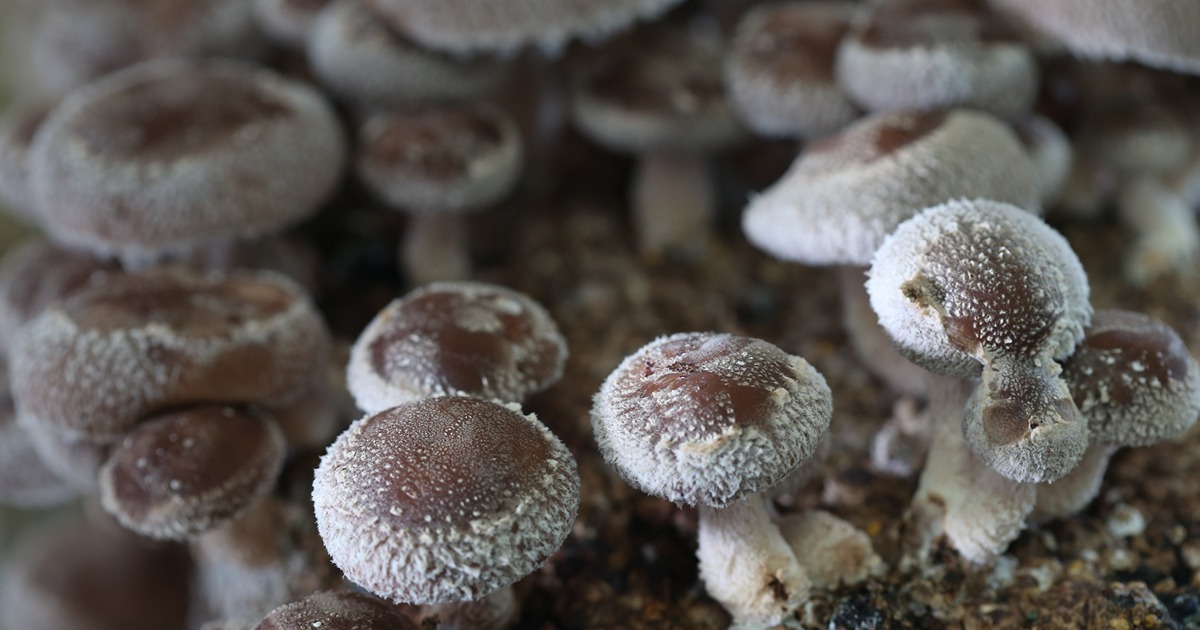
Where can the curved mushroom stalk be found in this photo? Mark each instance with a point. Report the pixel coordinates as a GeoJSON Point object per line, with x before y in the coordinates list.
{"type": "Point", "coordinates": [674, 204]}
{"type": "Point", "coordinates": [978, 510]}
{"type": "Point", "coordinates": [1168, 239]}
{"type": "Point", "coordinates": [1022, 422]}
{"type": "Point", "coordinates": [748, 566]}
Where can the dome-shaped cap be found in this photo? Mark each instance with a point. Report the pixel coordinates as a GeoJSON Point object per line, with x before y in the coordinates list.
{"type": "Point", "coordinates": [844, 194]}
{"type": "Point", "coordinates": [709, 418]}
{"type": "Point", "coordinates": [506, 25]}
{"type": "Point", "coordinates": [1134, 379]}
{"type": "Point", "coordinates": [186, 472]}
{"type": "Point", "coordinates": [667, 95]}
{"type": "Point", "coordinates": [461, 338]}
{"type": "Point", "coordinates": [779, 68]}
{"type": "Point", "coordinates": [967, 281]}
{"type": "Point", "coordinates": [932, 54]}
{"type": "Point", "coordinates": [454, 159]}
{"type": "Point", "coordinates": [169, 154]}
{"type": "Point", "coordinates": [337, 610]}
{"type": "Point", "coordinates": [358, 57]}
{"type": "Point", "coordinates": [444, 499]}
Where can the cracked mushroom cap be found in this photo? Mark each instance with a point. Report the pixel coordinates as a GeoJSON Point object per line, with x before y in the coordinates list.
{"type": "Point", "coordinates": [359, 57]}
{"type": "Point", "coordinates": [169, 154]}
{"type": "Point", "coordinates": [844, 194]}
{"type": "Point", "coordinates": [931, 54]}
{"type": "Point", "coordinates": [667, 96]}
{"type": "Point", "coordinates": [1133, 377]}
{"type": "Point", "coordinates": [451, 160]}
{"type": "Point", "coordinates": [139, 343]}
{"type": "Point", "coordinates": [184, 473]}
{"type": "Point", "coordinates": [709, 418]}
{"type": "Point", "coordinates": [779, 68]}
{"type": "Point", "coordinates": [1159, 33]}
{"type": "Point", "coordinates": [444, 499]}
{"type": "Point", "coordinates": [460, 26]}
{"type": "Point", "coordinates": [456, 338]}
{"type": "Point", "coordinates": [967, 281]}
{"type": "Point", "coordinates": [337, 610]}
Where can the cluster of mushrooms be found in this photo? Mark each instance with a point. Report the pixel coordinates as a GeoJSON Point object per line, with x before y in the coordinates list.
{"type": "Point", "coordinates": [166, 359]}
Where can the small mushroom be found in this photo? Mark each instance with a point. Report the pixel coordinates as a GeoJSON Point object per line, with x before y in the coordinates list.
{"type": "Point", "coordinates": [167, 155]}
{"type": "Point", "coordinates": [714, 420]}
{"type": "Point", "coordinates": [337, 610]}
{"type": "Point", "coordinates": [456, 338]}
{"type": "Point", "coordinates": [1135, 381]}
{"type": "Point", "coordinates": [934, 54]}
{"type": "Point", "coordinates": [981, 286]}
{"type": "Point", "coordinates": [779, 68]}
{"type": "Point", "coordinates": [444, 500]}
{"type": "Point", "coordinates": [438, 165]}
{"type": "Point", "coordinates": [357, 56]}
{"type": "Point", "coordinates": [186, 472]}
{"type": "Point", "coordinates": [665, 103]}
{"type": "Point", "coordinates": [100, 361]}
{"type": "Point", "coordinates": [460, 26]}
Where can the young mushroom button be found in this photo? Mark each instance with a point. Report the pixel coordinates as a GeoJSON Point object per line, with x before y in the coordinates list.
{"type": "Point", "coordinates": [711, 420]}
{"type": "Point", "coordinates": [444, 499]}
{"type": "Point", "coordinates": [462, 338]}
{"type": "Point", "coordinates": [982, 285]}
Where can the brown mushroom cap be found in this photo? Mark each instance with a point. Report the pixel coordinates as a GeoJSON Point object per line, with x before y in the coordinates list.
{"type": "Point", "coordinates": [932, 54]}
{"type": "Point", "coordinates": [1159, 33]}
{"type": "Point", "coordinates": [505, 25]}
{"type": "Point", "coordinates": [844, 194]}
{"type": "Point", "coordinates": [709, 419]}
{"type": "Point", "coordinates": [113, 353]}
{"type": "Point", "coordinates": [1133, 377]}
{"type": "Point", "coordinates": [18, 125]}
{"type": "Point", "coordinates": [186, 472]}
{"type": "Point", "coordinates": [168, 154]}
{"type": "Point", "coordinates": [337, 610]}
{"type": "Point", "coordinates": [966, 281]}
{"type": "Point", "coordinates": [668, 96]}
{"type": "Point", "coordinates": [75, 41]}
{"type": "Point", "coordinates": [69, 577]}
{"type": "Point", "coordinates": [444, 499]}
{"type": "Point", "coordinates": [456, 338]}
{"type": "Point", "coordinates": [359, 57]}
{"type": "Point", "coordinates": [779, 68]}
{"type": "Point", "coordinates": [440, 160]}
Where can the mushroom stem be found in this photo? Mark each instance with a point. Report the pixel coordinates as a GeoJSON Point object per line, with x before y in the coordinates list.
{"type": "Point", "coordinates": [1168, 240]}
{"type": "Point", "coordinates": [748, 566]}
{"type": "Point", "coordinates": [978, 510]}
{"type": "Point", "coordinates": [495, 611]}
{"type": "Point", "coordinates": [1074, 491]}
{"type": "Point", "coordinates": [434, 249]}
{"type": "Point", "coordinates": [868, 338]}
{"type": "Point", "coordinates": [673, 204]}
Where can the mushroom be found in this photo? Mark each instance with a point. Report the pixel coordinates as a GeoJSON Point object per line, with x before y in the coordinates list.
{"type": "Point", "coordinates": [460, 26]}
{"type": "Point", "coordinates": [446, 499]}
{"type": "Point", "coordinates": [438, 165]}
{"type": "Point", "coordinates": [714, 420]}
{"type": "Point", "coordinates": [186, 472]}
{"type": "Point", "coordinates": [1159, 33]}
{"type": "Point", "coordinates": [845, 193]}
{"type": "Point", "coordinates": [1134, 380]}
{"type": "Point", "coordinates": [357, 56]}
{"type": "Point", "coordinates": [779, 68]}
{"type": "Point", "coordinates": [168, 155]}
{"type": "Point", "coordinates": [336, 610]}
{"type": "Point", "coordinates": [114, 353]}
{"type": "Point", "coordinates": [76, 41]}
{"type": "Point", "coordinates": [933, 54]}
{"type": "Point", "coordinates": [456, 338]}
{"type": "Point", "coordinates": [665, 103]}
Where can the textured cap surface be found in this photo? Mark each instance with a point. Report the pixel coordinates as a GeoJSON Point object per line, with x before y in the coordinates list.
{"type": "Point", "coordinates": [708, 418]}
{"type": "Point", "coordinates": [337, 610]}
